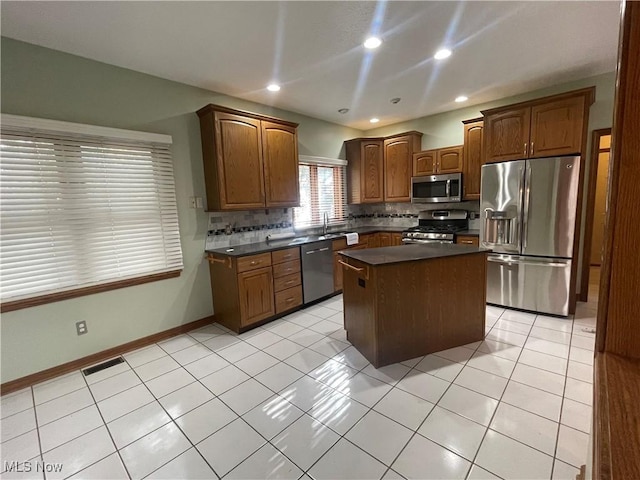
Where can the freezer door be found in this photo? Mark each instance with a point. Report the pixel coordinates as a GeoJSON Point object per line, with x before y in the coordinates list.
{"type": "Point", "coordinates": [501, 191]}
{"type": "Point", "coordinates": [550, 201]}
{"type": "Point", "coordinates": [536, 284]}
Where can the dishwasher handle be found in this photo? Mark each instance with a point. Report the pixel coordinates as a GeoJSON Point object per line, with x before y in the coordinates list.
{"type": "Point", "coordinates": [316, 251]}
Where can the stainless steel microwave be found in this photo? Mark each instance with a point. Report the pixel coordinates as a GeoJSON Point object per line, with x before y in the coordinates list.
{"type": "Point", "coordinates": [436, 188]}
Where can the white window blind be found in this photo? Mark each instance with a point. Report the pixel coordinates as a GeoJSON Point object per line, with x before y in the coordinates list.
{"type": "Point", "coordinates": [80, 208]}
{"type": "Point", "coordinates": [322, 190]}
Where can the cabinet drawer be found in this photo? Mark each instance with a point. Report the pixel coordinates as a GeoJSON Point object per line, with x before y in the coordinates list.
{"type": "Point", "coordinates": [286, 268]}
{"type": "Point", "coordinates": [287, 281]}
{"type": "Point", "coordinates": [468, 240]}
{"type": "Point", "coordinates": [252, 262]}
{"type": "Point", "coordinates": [288, 299]}
{"type": "Point", "coordinates": [285, 255]}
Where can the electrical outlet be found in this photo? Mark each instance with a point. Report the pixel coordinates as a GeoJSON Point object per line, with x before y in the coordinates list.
{"type": "Point", "coordinates": [81, 327]}
{"type": "Point", "coordinates": [192, 202]}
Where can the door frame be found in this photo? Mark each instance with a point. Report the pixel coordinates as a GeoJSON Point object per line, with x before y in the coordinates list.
{"type": "Point", "coordinates": [591, 201]}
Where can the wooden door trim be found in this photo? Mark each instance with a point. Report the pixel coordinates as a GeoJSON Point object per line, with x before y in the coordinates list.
{"type": "Point", "coordinates": [591, 201]}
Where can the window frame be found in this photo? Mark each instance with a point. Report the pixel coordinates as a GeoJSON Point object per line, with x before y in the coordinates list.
{"type": "Point", "coordinates": [36, 126]}
{"type": "Point", "coordinates": [339, 194]}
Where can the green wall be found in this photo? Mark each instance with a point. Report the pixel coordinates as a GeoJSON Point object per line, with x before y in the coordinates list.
{"type": "Point", "coordinates": [45, 83]}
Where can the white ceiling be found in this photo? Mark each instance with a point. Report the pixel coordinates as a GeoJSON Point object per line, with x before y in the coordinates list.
{"type": "Point", "coordinates": [314, 48]}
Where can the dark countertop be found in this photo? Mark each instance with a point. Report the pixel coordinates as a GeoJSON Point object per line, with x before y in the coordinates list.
{"type": "Point", "coordinates": [470, 233]}
{"type": "Point", "coordinates": [262, 247]}
{"type": "Point", "coordinates": [409, 253]}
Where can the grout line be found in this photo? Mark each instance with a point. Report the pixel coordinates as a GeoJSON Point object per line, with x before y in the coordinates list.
{"type": "Point", "coordinates": [35, 414]}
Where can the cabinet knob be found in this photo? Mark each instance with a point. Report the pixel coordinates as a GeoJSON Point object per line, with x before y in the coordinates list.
{"type": "Point", "coordinates": [525, 149]}
{"type": "Point", "coordinates": [532, 149]}
{"type": "Point", "coordinates": [253, 262]}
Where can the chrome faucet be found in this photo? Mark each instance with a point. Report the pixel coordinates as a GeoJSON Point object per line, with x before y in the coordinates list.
{"type": "Point", "coordinates": [324, 225]}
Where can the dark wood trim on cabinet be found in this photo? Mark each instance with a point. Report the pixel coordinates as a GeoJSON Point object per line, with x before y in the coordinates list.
{"type": "Point", "coordinates": [98, 357]}
{"type": "Point", "coordinates": [618, 299]}
{"type": "Point", "coordinates": [80, 292]}
{"type": "Point", "coordinates": [591, 200]}
{"type": "Point", "coordinates": [589, 92]}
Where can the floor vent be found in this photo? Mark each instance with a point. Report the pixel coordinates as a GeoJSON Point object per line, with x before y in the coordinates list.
{"type": "Point", "coordinates": [102, 366]}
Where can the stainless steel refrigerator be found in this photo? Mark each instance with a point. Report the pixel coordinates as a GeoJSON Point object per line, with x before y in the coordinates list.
{"type": "Point", "coordinates": [528, 215]}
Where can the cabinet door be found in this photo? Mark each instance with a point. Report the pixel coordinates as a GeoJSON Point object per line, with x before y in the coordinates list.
{"type": "Point", "coordinates": [507, 135]}
{"type": "Point", "coordinates": [450, 160]}
{"type": "Point", "coordinates": [424, 163]}
{"type": "Point", "coordinates": [280, 153]}
{"type": "Point", "coordinates": [472, 159]}
{"type": "Point", "coordinates": [556, 128]}
{"type": "Point", "coordinates": [255, 289]}
{"type": "Point", "coordinates": [398, 153]}
{"type": "Point", "coordinates": [396, 239]}
{"type": "Point", "coordinates": [384, 239]}
{"type": "Point", "coordinates": [372, 175]}
{"type": "Point", "coordinates": [239, 162]}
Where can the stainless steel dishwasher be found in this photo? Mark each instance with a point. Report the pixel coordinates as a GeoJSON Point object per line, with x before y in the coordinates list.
{"type": "Point", "coordinates": [317, 270]}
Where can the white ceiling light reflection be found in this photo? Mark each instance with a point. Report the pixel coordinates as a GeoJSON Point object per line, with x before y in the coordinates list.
{"type": "Point", "coordinates": [372, 42]}
{"type": "Point", "coordinates": [442, 54]}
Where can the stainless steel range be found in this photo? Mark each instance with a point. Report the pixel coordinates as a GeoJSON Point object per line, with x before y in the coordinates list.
{"type": "Point", "coordinates": [437, 226]}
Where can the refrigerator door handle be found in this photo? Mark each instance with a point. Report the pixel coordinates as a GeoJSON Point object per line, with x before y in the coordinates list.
{"type": "Point", "coordinates": [527, 199]}
{"type": "Point", "coordinates": [517, 261]}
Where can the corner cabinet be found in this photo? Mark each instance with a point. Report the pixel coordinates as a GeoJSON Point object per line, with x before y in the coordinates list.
{"type": "Point", "coordinates": [473, 158]}
{"type": "Point", "coordinates": [398, 155]}
{"type": "Point", "coordinates": [546, 127]}
{"type": "Point", "coordinates": [250, 161]}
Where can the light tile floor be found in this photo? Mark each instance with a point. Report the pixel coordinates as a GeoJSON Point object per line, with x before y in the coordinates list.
{"type": "Point", "coordinates": [293, 399]}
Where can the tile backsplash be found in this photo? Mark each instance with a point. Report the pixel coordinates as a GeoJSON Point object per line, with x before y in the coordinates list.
{"type": "Point", "coordinates": [237, 228]}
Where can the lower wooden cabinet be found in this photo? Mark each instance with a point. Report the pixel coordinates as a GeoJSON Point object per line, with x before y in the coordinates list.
{"type": "Point", "coordinates": [384, 239]}
{"type": "Point", "coordinates": [255, 290]}
{"type": "Point", "coordinates": [396, 239]}
{"type": "Point", "coordinates": [252, 289]}
{"type": "Point", "coordinates": [468, 240]}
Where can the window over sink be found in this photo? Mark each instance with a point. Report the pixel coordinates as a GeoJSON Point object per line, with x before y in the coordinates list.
{"type": "Point", "coordinates": [322, 191]}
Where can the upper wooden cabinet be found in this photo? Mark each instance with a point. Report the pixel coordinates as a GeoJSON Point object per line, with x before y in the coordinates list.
{"type": "Point", "coordinates": [379, 169]}
{"type": "Point", "coordinates": [545, 127]}
{"type": "Point", "coordinates": [280, 151]}
{"type": "Point", "coordinates": [365, 175]}
{"type": "Point", "coordinates": [398, 155]}
{"type": "Point", "coordinates": [424, 163]}
{"type": "Point", "coordinates": [250, 161]}
{"type": "Point", "coordinates": [441, 160]}
{"type": "Point", "coordinates": [472, 158]}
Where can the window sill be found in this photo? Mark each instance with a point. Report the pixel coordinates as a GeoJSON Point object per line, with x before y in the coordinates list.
{"type": "Point", "coordinates": [10, 306]}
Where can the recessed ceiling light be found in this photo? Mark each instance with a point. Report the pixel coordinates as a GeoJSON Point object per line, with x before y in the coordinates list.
{"type": "Point", "coordinates": [273, 87]}
{"type": "Point", "coordinates": [442, 53]}
{"type": "Point", "coordinates": [343, 110]}
{"type": "Point", "coordinates": [374, 120]}
{"type": "Point", "coordinates": [461, 98]}
{"type": "Point", "coordinates": [395, 100]}
{"type": "Point", "coordinates": [372, 42]}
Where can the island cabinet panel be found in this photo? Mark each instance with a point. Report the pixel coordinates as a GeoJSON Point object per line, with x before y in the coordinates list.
{"type": "Point", "coordinates": [398, 155]}
{"type": "Point", "coordinates": [473, 158]}
{"type": "Point", "coordinates": [556, 127]}
{"type": "Point", "coordinates": [507, 135]}
{"type": "Point", "coordinates": [255, 289]}
{"type": "Point", "coordinates": [398, 311]}
{"type": "Point", "coordinates": [365, 170]}
{"type": "Point", "coordinates": [280, 152]}
{"type": "Point", "coordinates": [250, 160]}
{"type": "Point", "coordinates": [396, 239]}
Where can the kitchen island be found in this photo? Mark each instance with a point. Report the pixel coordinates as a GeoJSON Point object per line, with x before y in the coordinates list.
{"type": "Point", "coordinates": [407, 301]}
